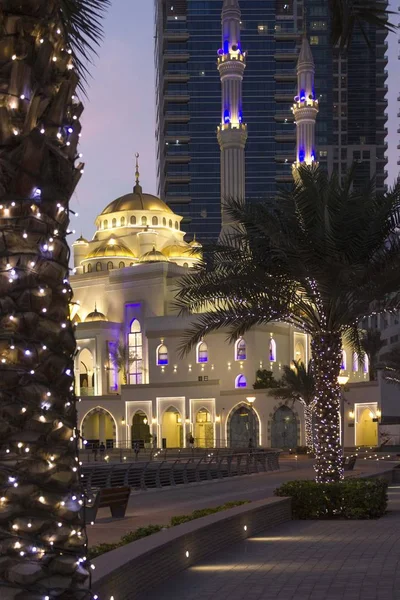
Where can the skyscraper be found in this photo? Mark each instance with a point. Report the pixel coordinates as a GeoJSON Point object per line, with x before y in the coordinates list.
{"type": "Point", "coordinates": [350, 89]}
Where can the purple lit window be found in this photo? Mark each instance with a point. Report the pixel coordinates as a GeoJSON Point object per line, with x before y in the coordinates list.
{"type": "Point", "coordinates": [240, 350]}
{"type": "Point", "coordinates": [202, 353]}
{"type": "Point", "coordinates": [272, 351]}
{"type": "Point", "coordinates": [162, 355]}
{"type": "Point", "coordinates": [240, 381]}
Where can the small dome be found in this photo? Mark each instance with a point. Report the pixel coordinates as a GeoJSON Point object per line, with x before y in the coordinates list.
{"type": "Point", "coordinates": [111, 248]}
{"type": "Point", "coordinates": [195, 244]}
{"type": "Point", "coordinates": [153, 256]}
{"type": "Point", "coordinates": [80, 241]}
{"type": "Point", "coordinates": [95, 316]}
{"type": "Point", "coordinates": [181, 251]}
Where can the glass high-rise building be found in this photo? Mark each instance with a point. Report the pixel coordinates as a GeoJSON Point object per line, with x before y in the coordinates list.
{"type": "Point", "coordinates": [351, 88]}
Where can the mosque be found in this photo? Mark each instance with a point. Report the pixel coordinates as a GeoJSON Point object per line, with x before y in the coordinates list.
{"type": "Point", "coordinates": [132, 381]}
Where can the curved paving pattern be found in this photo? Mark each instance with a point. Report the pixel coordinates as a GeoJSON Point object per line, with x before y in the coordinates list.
{"type": "Point", "coordinates": [301, 560]}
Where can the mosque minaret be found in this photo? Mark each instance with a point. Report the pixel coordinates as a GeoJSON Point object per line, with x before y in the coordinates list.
{"type": "Point", "coordinates": [305, 107]}
{"type": "Point", "coordinates": [232, 133]}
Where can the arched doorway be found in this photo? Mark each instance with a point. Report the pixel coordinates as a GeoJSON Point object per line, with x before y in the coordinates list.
{"type": "Point", "coordinates": [172, 428]}
{"type": "Point", "coordinates": [366, 428]}
{"type": "Point", "coordinates": [204, 429]}
{"type": "Point", "coordinates": [284, 428]}
{"type": "Point", "coordinates": [86, 373]}
{"type": "Point", "coordinates": [140, 429]}
{"type": "Point", "coordinates": [242, 427]}
{"type": "Point", "coordinates": [98, 426]}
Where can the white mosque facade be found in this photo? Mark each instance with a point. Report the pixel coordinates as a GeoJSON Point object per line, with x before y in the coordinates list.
{"type": "Point", "coordinates": [133, 382]}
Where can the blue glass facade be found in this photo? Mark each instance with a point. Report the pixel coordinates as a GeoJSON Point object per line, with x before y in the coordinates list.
{"type": "Point", "coordinates": [188, 35]}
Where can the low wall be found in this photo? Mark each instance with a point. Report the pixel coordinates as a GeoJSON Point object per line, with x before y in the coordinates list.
{"type": "Point", "coordinates": [137, 567]}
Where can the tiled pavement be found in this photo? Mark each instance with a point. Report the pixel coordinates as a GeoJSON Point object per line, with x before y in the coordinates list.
{"type": "Point", "coordinates": [301, 560]}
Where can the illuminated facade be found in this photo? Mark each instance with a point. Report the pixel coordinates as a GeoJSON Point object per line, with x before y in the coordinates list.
{"type": "Point", "coordinates": [134, 383]}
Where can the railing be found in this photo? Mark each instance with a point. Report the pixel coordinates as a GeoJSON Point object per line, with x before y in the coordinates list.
{"type": "Point", "coordinates": [163, 473]}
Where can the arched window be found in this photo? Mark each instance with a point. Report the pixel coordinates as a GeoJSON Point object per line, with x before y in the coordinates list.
{"type": "Point", "coordinates": [343, 362]}
{"type": "Point", "coordinates": [185, 265]}
{"type": "Point", "coordinates": [240, 349]}
{"type": "Point", "coordinates": [162, 354]}
{"type": "Point", "coordinates": [164, 222]}
{"type": "Point", "coordinates": [99, 266]}
{"type": "Point", "coordinates": [355, 362]}
{"type": "Point", "coordinates": [133, 220]}
{"type": "Point", "coordinates": [144, 220]}
{"type": "Point", "coordinates": [170, 223]}
{"type": "Point", "coordinates": [135, 359]}
{"type": "Point", "coordinates": [122, 221]}
{"type": "Point", "coordinates": [105, 224]}
{"type": "Point", "coordinates": [366, 364]}
{"type": "Point", "coordinates": [154, 221]}
{"type": "Point", "coordinates": [272, 350]}
{"type": "Point", "coordinates": [114, 223]}
{"type": "Point", "coordinates": [202, 352]}
{"type": "Point", "coordinates": [176, 225]}
{"type": "Point", "coordinates": [240, 381]}
{"type": "Point", "coordinates": [121, 265]}
{"type": "Point", "coordinates": [89, 268]}
{"type": "Point", "coordinates": [110, 266]}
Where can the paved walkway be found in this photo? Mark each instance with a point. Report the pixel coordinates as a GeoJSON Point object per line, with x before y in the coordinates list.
{"type": "Point", "coordinates": [158, 506]}
{"type": "Point", "coordinates": [301, 560]}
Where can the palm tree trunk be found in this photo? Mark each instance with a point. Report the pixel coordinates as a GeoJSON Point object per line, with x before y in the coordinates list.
{"type": "Point", "coordinates": [308, 421]}
{"type": "Point", "coordinates": [326, 354]}
{"type": "Point", "coordinates": [42, 531]}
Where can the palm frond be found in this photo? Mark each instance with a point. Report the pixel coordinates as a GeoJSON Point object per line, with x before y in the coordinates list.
{"type": "Point", "coordinates": [81, 25]}
{"type": "Point", "coordinates": [349, 15]}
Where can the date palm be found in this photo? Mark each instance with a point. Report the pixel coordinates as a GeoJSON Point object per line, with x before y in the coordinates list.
{"type": "Point", "coordinates": [317, 259]}
{"type": "Point", "coordinates": [371, 344]}
{"type": "Point", "coordinates": [390, 365]}
{"type": "Point", "coordinates": [45, 46]}
{"type": "Point", "coordinates": [349, 15]}
{"type": "Point", "coordinates": [297, 385]}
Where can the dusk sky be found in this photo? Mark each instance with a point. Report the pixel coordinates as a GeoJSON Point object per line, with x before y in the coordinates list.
{"type": "Point", "coordinates": [119, 117]}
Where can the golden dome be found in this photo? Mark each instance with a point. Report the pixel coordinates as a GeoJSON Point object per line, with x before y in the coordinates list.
{"type": "Point", "coordinates": [181, 251]}
{"type": "Point", "coordinates": [137, 201]}
{"type": "Point", "coordinates": [153, 256]}
{"type": "Point", "coordinates": [111, 248]}
{"type": "Point", "coordinates": [95, 316]}
{"type": "Point", "coordinates": [194, 243]}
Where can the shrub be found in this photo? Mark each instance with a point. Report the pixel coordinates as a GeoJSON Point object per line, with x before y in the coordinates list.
{"type": "Point", "coordinates": [142, 532]}
{"type": "Point", "coordinates": [349, 499]}
{"type": "Point", "coordinates": [204, 512]}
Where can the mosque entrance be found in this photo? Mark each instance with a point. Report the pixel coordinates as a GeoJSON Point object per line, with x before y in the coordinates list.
{"type": "Point", "coordinates": [98, 427]}
{"type": "Point", "coordinates": [204, 429]}
{"type": "Point", "coordinates": [242, 427]}
{"type": "Point", "coordinates": [366, 424]}
{"type": "Point", "coordinates": [140, 429]}
{"type": "Point", "coordinates": [172, 428]}
{"type": "Point", "coordinates": [284, 428]}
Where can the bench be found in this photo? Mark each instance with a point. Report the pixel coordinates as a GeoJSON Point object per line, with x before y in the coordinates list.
{"type": "Point", "coordinates": [349, 462]}
{"type": "Point", "coordinates": [114, 498]}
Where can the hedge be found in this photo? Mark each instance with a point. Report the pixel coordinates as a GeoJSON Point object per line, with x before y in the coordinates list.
{"type": "Point", "coordinates": [349, 499]}
{"type": "Point", "coordinates": [142, 532]}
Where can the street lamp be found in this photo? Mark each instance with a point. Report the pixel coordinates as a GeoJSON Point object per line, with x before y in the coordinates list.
{"type": "Point", "coordinates": [251, 399]}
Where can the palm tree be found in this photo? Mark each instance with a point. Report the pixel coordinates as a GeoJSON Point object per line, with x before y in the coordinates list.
{"type": "Point", "coordinates": [350, 15]}
{"type": "Point", "coordinates": [297, 384]}
{"type": "Point", "coordinates": [45, 46]}
{"type": "Point", "coordinates": [265, 380]}
{"type": "Point", "coordinates": [390, 365]}
{"type": "Point", "coordinates": [371, 344]}
{"type": "Point", "coordinates": [318, 259]}
{"type": "Point", "coordinates": [121, 355]}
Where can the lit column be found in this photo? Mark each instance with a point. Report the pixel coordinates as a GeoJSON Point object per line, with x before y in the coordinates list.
{"type": "Point", "coordinates": [232, 133]}
{"type": "Point", "coordinates": [305, 107]}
